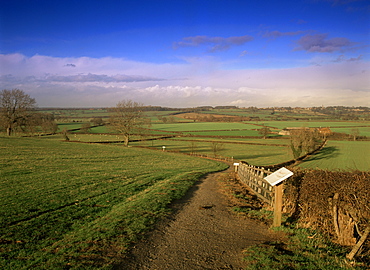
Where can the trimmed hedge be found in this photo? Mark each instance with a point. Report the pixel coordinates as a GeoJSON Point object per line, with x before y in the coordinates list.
{"type": "Point", "coordinates": [334, 202]}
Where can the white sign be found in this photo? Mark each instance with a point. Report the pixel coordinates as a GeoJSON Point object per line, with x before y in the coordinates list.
{"type": "Point", "coordinates": [236, 164]}
{"type": "Point", "coordinates": [278, 176]}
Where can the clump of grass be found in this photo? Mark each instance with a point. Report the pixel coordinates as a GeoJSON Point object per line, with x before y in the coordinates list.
{"type": "Point", "coordinates": [263, 215]}
{"type": "Point", "coordinates": [304, 249]}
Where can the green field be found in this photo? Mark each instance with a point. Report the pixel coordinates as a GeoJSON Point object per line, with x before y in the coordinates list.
{"type": "Point", "coordinates": [330, 124]}
{"type": "Point", "coordinates": [204, 126]}
{"type": "Point", "coordinates": [73, 205]}
{"type": "Point", "coordinates": [238, 138]}
{"type": "Point", "coordinates": [341, 155]}
{"type": "Point", "coordinates": [256, 152]}
{"type": "Point", "coordinates": [362, 131]}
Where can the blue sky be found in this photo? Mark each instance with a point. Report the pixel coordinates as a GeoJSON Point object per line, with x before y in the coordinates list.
{"type": "Point", "coordinates": [187, 53]}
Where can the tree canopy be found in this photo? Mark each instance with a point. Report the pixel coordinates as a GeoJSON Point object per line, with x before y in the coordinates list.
{"type": "Point", "coordinates": [15, 107]}
{"type": "Point", "coordinates": [126, 118]}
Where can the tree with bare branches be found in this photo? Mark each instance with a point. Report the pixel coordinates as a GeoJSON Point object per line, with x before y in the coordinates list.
{"type": "Point", "coordinates": [264, 131]}
{"type": "Point", "coordinates": [303, 140]}
{"type": "Point", "coordinates": [216, 147]}
{"type": "Point", "coordinates": [127, 117]}
{"type": "Point", "coordinates": [15, 107]}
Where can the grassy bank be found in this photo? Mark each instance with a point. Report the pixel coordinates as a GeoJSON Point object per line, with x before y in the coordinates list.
{"type": "Point", "coordinates": [302, 249]}
{"type": "Point", "coordinates": [79, 206]}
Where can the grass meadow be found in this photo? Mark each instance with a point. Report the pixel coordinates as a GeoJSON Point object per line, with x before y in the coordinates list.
{"type": "Point", "coordinates": [341, 155]}
{"type": "Point", "coordinates": [257, 152]}
{"type": "Point", "coordinates": [203, 126]}
{"type": "Point", "coordinates": [78, 206]}
{"type": "Point", "coordinates": [330, 124]}
{"type": "Point", "coordinates": [70, 205]}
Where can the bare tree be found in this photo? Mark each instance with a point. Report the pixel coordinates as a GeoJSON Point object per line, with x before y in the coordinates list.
{"type": "Point", "coordinates": [264, 131]}
{"type": "Point", "coordinates": [355, 132]}
{"type": "Point", "coordinates": [42, 122]}
{"type": "Point", "coordinates": [192, 146]}
{"type": "Point", "coordinates": [303, 141]}
{"type": "Point", "coordinates": [127, 117]}
{"type": "Point", "coordinates": [49, 126]}
{"type": "Point", "coordinates": [15, 107]}
{"type": "Point", "coordinates": [86, 127]}
{"type": "Point", "coordinates": [216, 147]}
{"type": "Point", "coordinates": [97, 121]}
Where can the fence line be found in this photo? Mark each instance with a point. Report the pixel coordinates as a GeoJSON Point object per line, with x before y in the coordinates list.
{"type": "Point", "coordinates": [217, 157]}
{"type": "Point", "coordinates": [254, 178]}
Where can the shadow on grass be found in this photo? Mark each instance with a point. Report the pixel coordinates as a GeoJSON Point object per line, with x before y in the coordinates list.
{"type": "Point", "coordinates": [261, 155]}
{"type": "Point", "coordinates": [325, 153]}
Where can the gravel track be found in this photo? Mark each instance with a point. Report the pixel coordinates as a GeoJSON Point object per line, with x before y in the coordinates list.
{"type": "Point", "coordinates": [201, 234]}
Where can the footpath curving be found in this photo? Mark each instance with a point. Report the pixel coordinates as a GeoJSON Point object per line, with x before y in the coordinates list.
{"type": "Point", "coordinates": [201, 234]}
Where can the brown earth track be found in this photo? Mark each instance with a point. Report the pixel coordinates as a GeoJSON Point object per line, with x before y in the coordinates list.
{"type": "Point", "coordinates": [201, 234]}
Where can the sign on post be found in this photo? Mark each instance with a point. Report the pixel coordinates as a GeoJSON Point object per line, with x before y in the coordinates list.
{"type": "Point", "coordinates": [275, 180]}
{"type": "Point", "coordinates": [278, 176]}
{"type": "Point", "coordinates": [236, 165]}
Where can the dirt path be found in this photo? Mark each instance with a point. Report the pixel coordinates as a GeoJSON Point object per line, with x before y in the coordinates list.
{"type": "Point", "coordinates": [202, 234]}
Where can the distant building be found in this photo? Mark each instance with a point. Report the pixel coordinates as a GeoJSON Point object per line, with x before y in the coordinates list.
{"type": "Point", "coordinates": [324, 131]}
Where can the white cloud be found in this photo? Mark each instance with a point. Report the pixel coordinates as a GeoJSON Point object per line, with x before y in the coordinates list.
{"type": "Point", "coordinates": [87, 82]}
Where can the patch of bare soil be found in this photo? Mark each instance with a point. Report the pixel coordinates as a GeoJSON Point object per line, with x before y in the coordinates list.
{"type": "Point", "coordinates": [202, 233]}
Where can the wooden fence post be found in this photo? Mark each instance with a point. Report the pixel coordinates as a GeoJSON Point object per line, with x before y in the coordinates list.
{"type": "Point", "coordinates": [278, 205]}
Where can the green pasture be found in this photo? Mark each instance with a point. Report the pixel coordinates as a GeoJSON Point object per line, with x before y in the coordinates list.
{"type": "Point", "coordinates": [330, 124]}
{"type": "Point", "coordinates": [255, 154]}
{"type": "Point", "coordinates": [204, 126]}
{"type": "Point", "coordinates": [77, 113]}
{"type": "Point", "coordinates": [106, 137]}
{"type": "Point", "coordinates": [268, 114]}
{"type": "Point", "coordinates": [155, 115]}
{"type": "Point", "coordinates": [268, 141]}
{"type": "Point", "coordinates": [240, 112]}
{"type": "Point", "coordinates": [363, 131]}
{"type": "Point", "coordinates": [254, 151]}
{"type": "Point", "coordinates": [68, 126]}
{"type": "Point", "coordinates": [241, 132]}
{"type": "Point", "coordinates": [341, 155]}
{"type": "Point", "coordinates": [70, 205]}
{"type": "Point", "coordinates": [148, 139]}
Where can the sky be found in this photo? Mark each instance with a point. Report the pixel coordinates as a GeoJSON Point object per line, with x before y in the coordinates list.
{"type": "Point", "coordinates": [187, 53]}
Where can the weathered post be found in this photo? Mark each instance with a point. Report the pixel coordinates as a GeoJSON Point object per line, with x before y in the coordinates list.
{"type": "Point", "coordinates": [236, 165]}
{"type": "Point", "coordinates": [275, 179]}
{"type": "Point", "coordinates": [278, 205]}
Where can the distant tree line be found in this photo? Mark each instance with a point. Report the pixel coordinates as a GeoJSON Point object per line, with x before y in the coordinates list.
{"type": "Point", "coordinates": [17, 113]}
{"type": "Point", "coordinates": [345, 113]}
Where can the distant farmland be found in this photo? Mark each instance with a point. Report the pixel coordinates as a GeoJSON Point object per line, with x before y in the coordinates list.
{"type": "Point", "coordinates": [341, 155]}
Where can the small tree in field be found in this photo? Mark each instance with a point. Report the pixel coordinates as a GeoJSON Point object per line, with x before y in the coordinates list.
{"type": "Point", "coordinates": [97, 121]}
{"type": "Point", "coordinates": [86, 127]}
{"type": "Point", "coordinates": [264, 131]}
{"type": "Point", "coordinates": [15, 107]}
{"type": "Point", "coordinates": [303, 141]}
{"type": "Point", "coordinates": [126, 118]}
{"type": "Point", "coordinates": [217, 147]}
{"type": "Point", "coordinates": [355, 132]}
